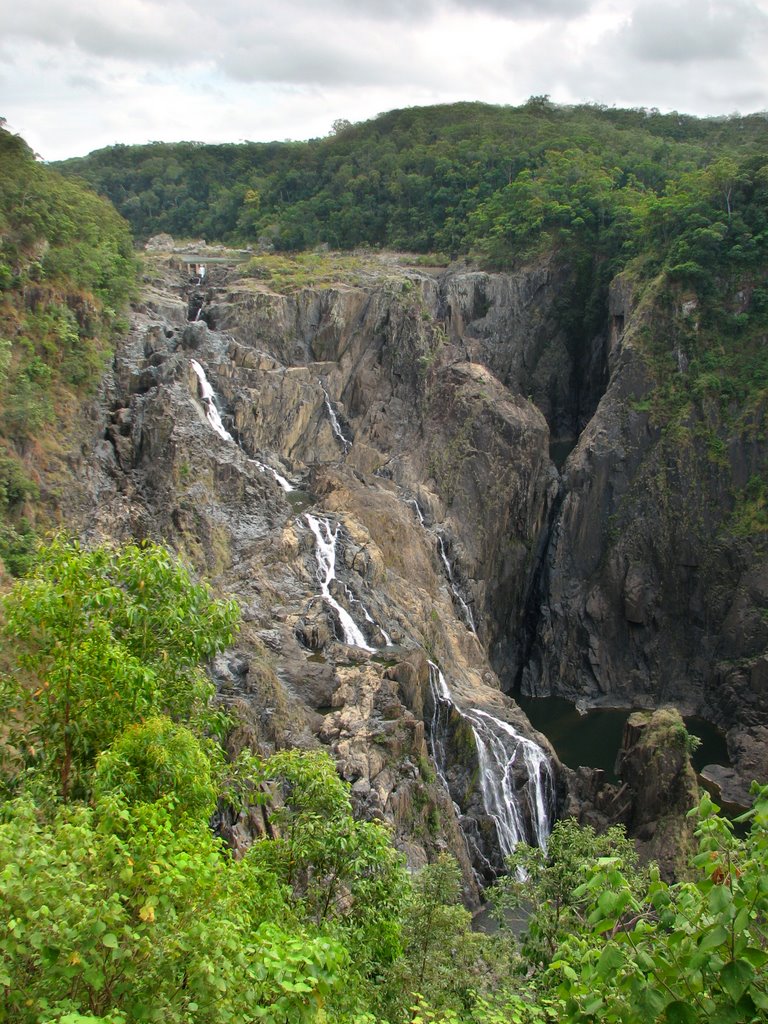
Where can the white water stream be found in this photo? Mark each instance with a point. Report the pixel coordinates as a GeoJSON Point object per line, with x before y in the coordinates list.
{"type": "Point", "coordinates": [500, 749]}
{"type": "Point", "coordinates": [335, 425]}
{"type": "Point", "coordinates": [208, 397]}
{"type": "Point", "coordinates": [286, 485]}
{"type": "Point", "coordinates": [325, 552]}
{"type": "Point", "coordinates": [468, 617]}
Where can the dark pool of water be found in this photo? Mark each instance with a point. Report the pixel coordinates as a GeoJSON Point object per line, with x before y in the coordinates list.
{"type": "Point", "coordinates": [594, 739]}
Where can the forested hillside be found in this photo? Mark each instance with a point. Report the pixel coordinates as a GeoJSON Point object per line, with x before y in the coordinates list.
{"type": "Point", "coordinates": [603, 189]}
{"type": "Point", "coordinates": [270, 800]}
{"type": "Point", "coordinates": [66, 273]}
{"type": "Point", "coordinates": [422, 179]}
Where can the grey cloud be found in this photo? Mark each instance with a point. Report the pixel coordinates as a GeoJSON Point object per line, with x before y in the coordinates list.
{"type": "Point", "coordinates": [296, 58]}
{"type": "Point", "coordinates": [693, 30]}
{"type": "Point", "coordinates": [416, 9]}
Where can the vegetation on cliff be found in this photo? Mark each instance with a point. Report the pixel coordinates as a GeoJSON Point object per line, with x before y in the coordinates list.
{"type": "Point", "coordinates": [122, 906]}
{"type": "Point", "coordinates": [678, 203]}
{"type": "Point", "coordinates": [66, 273]}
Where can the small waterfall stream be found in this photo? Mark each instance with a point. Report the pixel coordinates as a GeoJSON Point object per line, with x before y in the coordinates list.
{"type": "Point", "coordinates": [335, 425]}
{"type": "Point", "coordinates": [500, 751]}
{"type": "Point", "coordinates": [458, 596]}
{"type": "Point", "coordinates": [325, 552]}
{"type": "Point", "coordinates": [208, 396]}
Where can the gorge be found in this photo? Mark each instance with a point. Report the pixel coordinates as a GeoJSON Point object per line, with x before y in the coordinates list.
{"type": "Point", "coordinates": [366, 468]}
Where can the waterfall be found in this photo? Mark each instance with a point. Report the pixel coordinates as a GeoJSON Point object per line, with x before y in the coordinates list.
{"type": "Point", "coordinates": [467, 611]}
{"type": "Point", "coordinates": [367, 615]}
{"type": "Point", "coordinates": [208, 396]}
{"type": "Point", "coordinates": [499, 746]}
{"type": "Point", "coordinates": [325, 553]}
{"type": "Point", "coordinates": [285, 484]}
{"type": "Point", "coordinates": [438, 726]}
{"type": "Point", "coordinates": [500, 749]}
{"type": "Point", "coordinates": [417, 507]}
{"type": "Point", "coordinates": [335, 425]}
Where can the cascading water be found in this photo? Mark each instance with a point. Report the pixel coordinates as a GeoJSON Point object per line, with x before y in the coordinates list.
{"type": "Point", "coordinates": [466, 610]}
{"type": "Point", "coordinates": [335, 425]}
{"type": "Point", "coordinates": [417, 507]}
{"type": "Point", "coordinates": [442, 705]}
{"type": "Point", "coordinates": [500, 749]}
{"type": "Point", "coordinates": [286, 485]}
{"type": "Point", "coordinates": [325, 552]}
{"type": "Point", "coordinates": [208, 397]}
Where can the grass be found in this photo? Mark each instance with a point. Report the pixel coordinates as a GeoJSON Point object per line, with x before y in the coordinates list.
{"type": "Point", "coordinates": [287, 273]}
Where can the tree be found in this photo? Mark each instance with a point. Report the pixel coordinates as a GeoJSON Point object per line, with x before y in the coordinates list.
{"type": "Point", "coordinates": [550, 881]}
{"type": "Point", "coordinates": [99, 639]}
{"type": "Point", "coordinates": [153, 922]}
{"type": "Point", "coordinates": [684, 953]}
{"type": "Point", "coordinates": [341, 871]}
{"type": "Point", "coordinates": [160, 760]}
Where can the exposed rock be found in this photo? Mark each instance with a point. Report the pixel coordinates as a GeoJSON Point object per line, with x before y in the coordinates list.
{"type": "Point", "coordinates": [645, 596]}
{"type": "Point", "coordinates": [415, 415]}
{"type": "Point", "coordinates": [654, 762]}
{"type": "Point", "coordinates": [358, 398]}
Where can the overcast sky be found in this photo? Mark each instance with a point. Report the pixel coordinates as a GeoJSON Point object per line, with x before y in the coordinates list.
{"type": "Point", "coordinates": [76, 75]}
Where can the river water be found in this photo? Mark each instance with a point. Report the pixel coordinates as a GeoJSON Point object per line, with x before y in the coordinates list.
{"type": "Point", "coordinates": [594, 739]}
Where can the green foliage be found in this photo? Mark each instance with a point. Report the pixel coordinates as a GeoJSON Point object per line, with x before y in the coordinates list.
{"type": "Point", "coordinates": [692, 951]}
{"type": "Point", "coordinates": [550, 881]}
{"type": "Point", "coordinates": [101, 638]}
{"type": "Point", "coordinates": [67, 271]}
{"type": "Point", "coordinates": [415, 179]}
{"type": "Point", "coordinates": [437, 932]}
{"type": "Point", "coordinates": [341, 872]}
{"type": "Point", "coordinates": [155, 923]}
{"type": "Point", "coordinates": [159, 760]}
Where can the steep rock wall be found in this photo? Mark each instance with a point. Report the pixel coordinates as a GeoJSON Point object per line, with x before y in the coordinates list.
{"type": "Point", "coordinates": [646, 595]}
{"type": "Point", "coordinates": [433, 477]}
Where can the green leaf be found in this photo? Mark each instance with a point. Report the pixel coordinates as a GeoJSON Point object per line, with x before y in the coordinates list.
{"type": "Point", "coordinates": [735, 978]}
{"type": "Point", "coordinates": [611, 959]}
{"type": "Point", "coordinates": [714, 937]}
{"type": "Point", "coordinates": [757, 957]}
{"type": "Point", "coordinates": [719, 898]}
{"type": "Point", "coordinates": [110, 941]}
{"type": "Point", "coordinates": [679, 1012]}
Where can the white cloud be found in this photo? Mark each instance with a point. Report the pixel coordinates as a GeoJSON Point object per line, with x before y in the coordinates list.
{"type": "Point", "coordinates": [694, 30]}
{"type": "Point", "coordinates": [85, 74]}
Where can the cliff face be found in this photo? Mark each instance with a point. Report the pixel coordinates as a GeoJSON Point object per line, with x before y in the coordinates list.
{"type": "Point", "coordinates": [367, 470]}
{"type": "Point", "coordinates": [647, 595]}
{"type": "Point", "coordinates": [374, 499]}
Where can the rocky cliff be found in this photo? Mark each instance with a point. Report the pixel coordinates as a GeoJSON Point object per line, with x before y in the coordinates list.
{"type": "Point", "coordinates": [648, 594]}
{"type": "Point", "coordinates": [343, 462]}
{"type": "Point", "coordinates": [367, 469]}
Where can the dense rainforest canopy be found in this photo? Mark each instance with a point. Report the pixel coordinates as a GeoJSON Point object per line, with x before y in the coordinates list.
{"type": "Point", "coordinates": [67, 271]}
{"type": "Point", "coordinates": [447, 178]}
